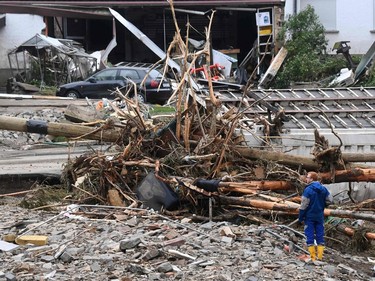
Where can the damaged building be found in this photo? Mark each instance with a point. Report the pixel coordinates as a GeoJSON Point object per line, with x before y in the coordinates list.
{"type": "Point", "coordinates": [236, 29]}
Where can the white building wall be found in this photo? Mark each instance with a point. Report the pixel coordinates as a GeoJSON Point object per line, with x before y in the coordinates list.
{"type": "Point", "coordinates": [18, 29]}
{"type": "Point", "coordinates": [355, 22]}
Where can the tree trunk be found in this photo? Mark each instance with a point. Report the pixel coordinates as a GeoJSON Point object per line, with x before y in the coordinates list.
{"type": "Point", "coordinates": [349, 214]}
{"type": "Point", "coordinates": [358, 157]}
{"type": "Point", "coordinates": [291, 207]}
{"type": "Point", "coordinates": [279, 157]}
{"type": "Point", "coordinates": [58, 129]}
{"type": "Point", "coordinates": [352, 175]}
{"type": "Point", "coordinates": [260, 204]}
{"type": "Point", "coordinates": [295, 160]}
{"type": "Point", "coordinates": [251, 186]}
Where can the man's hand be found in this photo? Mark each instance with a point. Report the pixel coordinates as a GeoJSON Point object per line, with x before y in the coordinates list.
{"type": "Point", "coordinates": [300, 223]}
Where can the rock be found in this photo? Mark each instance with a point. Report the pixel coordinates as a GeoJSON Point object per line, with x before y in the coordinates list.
{"type": "Point", "coordinates": [10, 277]}
{"type": "Point", "coordinates": [165, 267]}
{"type": "Point", "coordinates": [154, 276]}
{"type": "Point", "coordinates": [47, 258]}
{"type": "Point", "coordinates": [65, 257]}
{"type": "Point", "coordinates": [129, 243]}
{"type": "Point", "coordinates": [135, 268]}
{"type": "Point", "coordinates": [151, 254]}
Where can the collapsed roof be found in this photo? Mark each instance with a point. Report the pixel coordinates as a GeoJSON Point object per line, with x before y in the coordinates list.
{"type": "Point", "coordinates": [56, 60]}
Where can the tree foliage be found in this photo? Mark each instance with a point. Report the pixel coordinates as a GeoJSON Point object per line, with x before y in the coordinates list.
{"type": "Point", "coordinates": [304, 38]}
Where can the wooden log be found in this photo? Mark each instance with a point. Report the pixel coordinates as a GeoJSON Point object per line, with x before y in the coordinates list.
{"type": "Point", "coordinates": [259, 204]}
{"type": "Point", "coordinates": [58, 129]}
{"type": "Point", "coordinates": [279, 157]}
{"type": "Point", "coordinates": [250, 187]}
{"type": "Point", "coordinates": [349, 231]}
{"type": "Point", "coordinates": [352, 175]}
{"type": "Point", "coordinates": [349, 214]}
{"type": "Point", "coordinates": [306, 162]}
{"type": "Point", "coordinates": [238, 190]}
{"type": "Point", "coordinates": [358, 157]}
{"type": "Point", "coordinates": [256, 185]}
{"type": "Point", "coordinates": [290, 207]}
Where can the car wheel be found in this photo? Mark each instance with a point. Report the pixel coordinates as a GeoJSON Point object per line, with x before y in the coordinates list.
{"type": "Point", "coordinates": [72, 94]}
{"type": "Point", "coordinates": [141, 98]}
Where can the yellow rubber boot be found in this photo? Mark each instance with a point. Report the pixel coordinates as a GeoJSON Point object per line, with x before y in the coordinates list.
{"type": "Point", "coordinates": [312, 252]}
{"type": "Point", "coordinates": [320, 252]}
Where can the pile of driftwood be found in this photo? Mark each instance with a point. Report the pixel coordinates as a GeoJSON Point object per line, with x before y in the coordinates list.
{"type": "Point", "coordinates": [198, 162]}
{"type": "Point", "coordinates": [206, 167]}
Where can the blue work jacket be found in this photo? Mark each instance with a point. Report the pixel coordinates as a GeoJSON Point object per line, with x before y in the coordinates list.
{"type": "Point", "coordinates": [315, 198]}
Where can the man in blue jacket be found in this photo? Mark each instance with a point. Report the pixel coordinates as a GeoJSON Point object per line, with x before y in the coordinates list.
{"type": "Point", "coordinates": [315, 198]}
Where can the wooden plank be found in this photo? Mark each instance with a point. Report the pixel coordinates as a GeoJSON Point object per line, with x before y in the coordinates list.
{"type": "Point", "coordinates": [274, 67]}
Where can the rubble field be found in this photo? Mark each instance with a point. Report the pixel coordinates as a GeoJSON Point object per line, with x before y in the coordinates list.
{"type": "Point", "coordinates": [115, 244]}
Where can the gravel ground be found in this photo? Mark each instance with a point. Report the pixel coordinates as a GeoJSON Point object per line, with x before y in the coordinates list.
{"type": "Point", "coordinates": [120, 244]}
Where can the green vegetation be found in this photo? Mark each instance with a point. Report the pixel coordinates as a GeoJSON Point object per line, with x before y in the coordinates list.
{"type": "Point", "coordinates": [307, 61]}
{"type": "Point", "coordinates": [161, 110]}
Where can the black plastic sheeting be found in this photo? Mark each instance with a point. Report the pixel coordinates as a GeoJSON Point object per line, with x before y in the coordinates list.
{"type": "Point", "coordinates": [37, 126]}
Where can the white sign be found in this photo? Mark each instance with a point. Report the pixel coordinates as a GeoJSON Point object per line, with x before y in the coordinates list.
{"type": "Point", "coordinates": [263, 19]}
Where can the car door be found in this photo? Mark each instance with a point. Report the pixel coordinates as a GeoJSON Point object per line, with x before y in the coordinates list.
{"type": "Point", "coordinates": [102, 84]}
{"type": "Point", "coordinates": [130, 74]}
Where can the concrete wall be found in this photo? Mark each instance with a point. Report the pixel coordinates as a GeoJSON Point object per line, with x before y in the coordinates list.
{"type": "Point", "coordinates": [355, 22]}
{"type": "Point", "coordinates": [18, 29]}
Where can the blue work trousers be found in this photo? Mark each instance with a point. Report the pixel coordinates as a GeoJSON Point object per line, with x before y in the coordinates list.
{"type": "Point", "coordinates": [314, 230]}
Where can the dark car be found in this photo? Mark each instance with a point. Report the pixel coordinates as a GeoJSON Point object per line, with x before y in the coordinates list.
{"type": "Point", "coordinates": [103, 83]}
